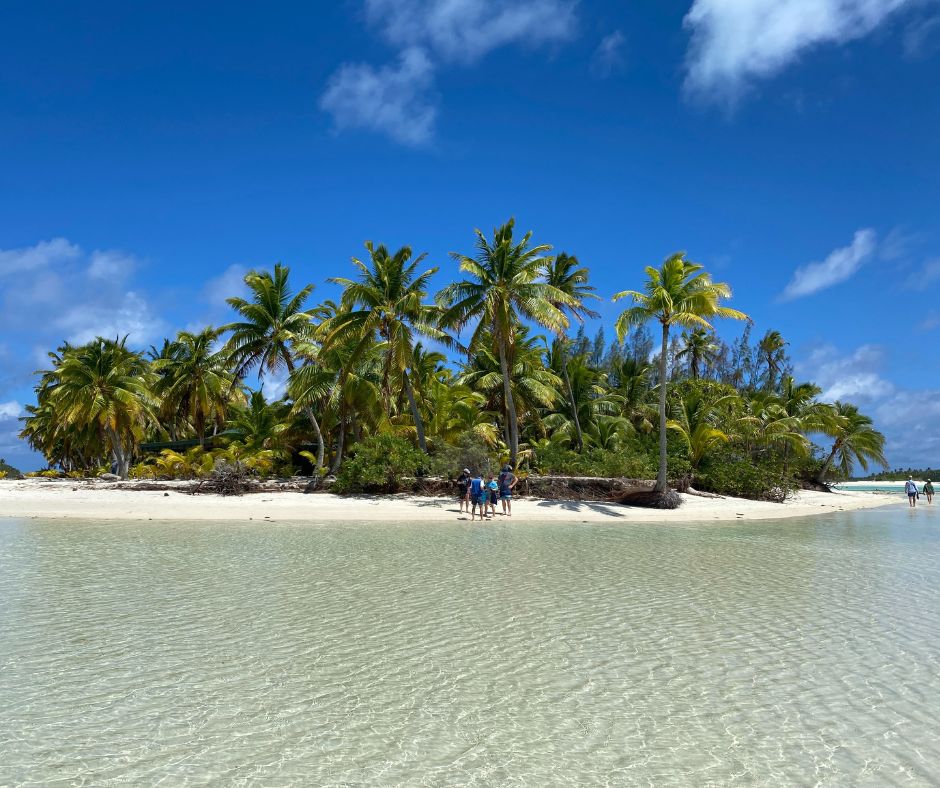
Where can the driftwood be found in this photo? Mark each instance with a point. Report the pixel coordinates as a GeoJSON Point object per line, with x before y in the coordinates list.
{"type": "Point", "coordinates": [651, 499]}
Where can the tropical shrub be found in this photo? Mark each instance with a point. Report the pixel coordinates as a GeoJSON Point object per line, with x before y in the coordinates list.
{"type": "Point", "coordinates": [726, 474]}
{"type": "Point", "coordinates": [470, 451]}
{"type": "Point", "coordinates": [551, 458]}
{"type": "Point", "coordinates": [379, 465]}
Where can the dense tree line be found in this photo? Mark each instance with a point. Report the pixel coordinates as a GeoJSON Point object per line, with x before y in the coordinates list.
{"type": "Point", "coordinates": [497, 366]}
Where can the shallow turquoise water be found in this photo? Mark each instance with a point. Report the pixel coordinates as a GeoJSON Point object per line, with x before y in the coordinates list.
{"type": "Point", "coordinates": [793, 652]}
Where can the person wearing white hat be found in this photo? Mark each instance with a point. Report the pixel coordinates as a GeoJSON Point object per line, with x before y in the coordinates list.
{"type": "Point", "coordinates": [911, 489]}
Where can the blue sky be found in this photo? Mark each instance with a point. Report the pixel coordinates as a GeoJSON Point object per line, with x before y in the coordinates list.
{"type": "Point", "coordinates": [151, 154]}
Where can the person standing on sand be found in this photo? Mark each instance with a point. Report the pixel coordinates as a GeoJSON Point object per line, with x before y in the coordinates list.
{"type": "Point", "coordinates": [478, 496]}
{"type": "Point", "coordinates": [911, 489]}
{"type": "Point", "coordinates": [507, 480]}
{"type": "Point", "coordinates": [493, 489]}
{"type": "Point", "coordinates": [463, 490]}
{"type": "Point", "coordinates": [928, 490]}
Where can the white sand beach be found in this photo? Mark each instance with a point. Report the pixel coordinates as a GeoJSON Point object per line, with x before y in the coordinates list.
{"type": "Point", "coordinates": [71, 500]}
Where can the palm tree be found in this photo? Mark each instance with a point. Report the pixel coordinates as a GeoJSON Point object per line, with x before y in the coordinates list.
{"type": "Point", "coordinates": [856, 441]}
{"type": "Point", "coordinates": [106, 386]}
{"type": "Point", "coordinates": [678, 293]}
{"type": "Point", "coordinates": [565, 274]}
{"type": "Point", "coordinates": [387, 300]}
{"type": "Point", "coordinates": [771, 348]}
{"type": "Point", "coordinates": [630, 390]}
{"type": "Point", "coordinates": [195, 381]}
{"type": "Point", "coordinates": [261, 425]}
{"type": "Point", "coordinates": [532, 387]}
{"type": "Point", "coordinates": [273, 322]}
{"type": "Point", "coordinates": [506, 285]}
{"type": "Point", "coordinates": [698, 346]}
{"type": "Point", "coordinates": [695, 420]}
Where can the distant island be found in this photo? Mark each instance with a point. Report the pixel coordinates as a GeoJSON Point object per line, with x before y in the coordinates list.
{"type": "Point", "coordinates": [393, 383]}
{"type": "Point", "coordinates": [899, 475]}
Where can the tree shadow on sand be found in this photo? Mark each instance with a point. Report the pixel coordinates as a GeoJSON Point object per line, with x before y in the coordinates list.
{"type": "Point", "coordinates": [611, 510]}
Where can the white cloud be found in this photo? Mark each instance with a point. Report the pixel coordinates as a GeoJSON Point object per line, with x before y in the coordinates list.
{"type": "Point", "coordinates": [73, 296]}
{"type": "Point", "coordinates": [111, 265]}
{"type": "Point", "coordinates": [853, 378]}
{"type": "Point", "coordinates": [397, 99]}
{"type": "Point", "coordinates": [608, 57]}
{"type": "Point", "coordinates": [229, 284]}
{"type": "Point", "coordinates": [390, 99]}
{"type": "Point", "coordinates": [837, 267]}
{"type": "Point", "coordinates": [122, 314]}
{"type": "Point", "coordinates": [900, 414]}
{"type": "Point", "coordinates": [736, 42]}
{"type": "Point", "coordinates": [10, 410]}
{"type": "Point", "coordinates": [465, 30]}
{"type": "Point", "coordinates": [32, 258]}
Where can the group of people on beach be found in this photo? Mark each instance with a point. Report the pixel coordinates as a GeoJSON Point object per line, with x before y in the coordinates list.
{"type": "Point", "coordinates": [476, 495]}
{"type": "Point", "coordinates": [910, 487]}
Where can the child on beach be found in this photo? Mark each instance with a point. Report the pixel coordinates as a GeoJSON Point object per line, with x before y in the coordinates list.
{"type": "Point", "coordinates": [493, 489]}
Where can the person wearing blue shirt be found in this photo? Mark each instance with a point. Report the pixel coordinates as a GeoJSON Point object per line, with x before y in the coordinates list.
{"type": "Point", "coordinates": [478, 497]}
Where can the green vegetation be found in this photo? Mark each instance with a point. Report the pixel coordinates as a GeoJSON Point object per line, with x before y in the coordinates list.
{"type": "Point", "coordinates": [394, 381]}
{"type": "Point", "coordinates": [899, 475]}
{"type": "Point", "coordinates": [7, 471]}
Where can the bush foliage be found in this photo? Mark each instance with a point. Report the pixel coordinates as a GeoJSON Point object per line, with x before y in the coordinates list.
{"type": "Point", "coordinates": [379, 465]}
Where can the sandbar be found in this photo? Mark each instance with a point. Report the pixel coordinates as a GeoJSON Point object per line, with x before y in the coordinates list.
{"type": "Point", "coordinates": [64, 499]}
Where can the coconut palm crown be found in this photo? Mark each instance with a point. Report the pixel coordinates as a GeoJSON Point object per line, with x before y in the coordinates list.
{"type": "Point", "coordinates": [506, 285]}
{"type": "Point", "coordinates": [678, 293]}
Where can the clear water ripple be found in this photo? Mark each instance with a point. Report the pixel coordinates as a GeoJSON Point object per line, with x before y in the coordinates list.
{"type": "Point", "coordinates": [800, 652]}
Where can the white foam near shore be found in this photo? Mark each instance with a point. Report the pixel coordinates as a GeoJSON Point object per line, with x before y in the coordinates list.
{"type": "Point", "coordinates": [69, 500]}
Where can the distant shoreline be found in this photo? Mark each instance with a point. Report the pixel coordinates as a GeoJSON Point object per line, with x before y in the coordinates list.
{"type": "Point", "coordinates": [81, 500]}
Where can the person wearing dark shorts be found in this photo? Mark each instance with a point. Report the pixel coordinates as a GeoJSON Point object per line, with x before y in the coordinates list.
{"type": "Point", "coordinates": [911, 489]}
{"type": "Point", "coordinates": [463, 491]}
{"type": "Point", "coordinates": [507, 480]}
{"type": "Point", "coordinates": [478, 497]}
{"type": "Point", "coordinates": [493, 489]}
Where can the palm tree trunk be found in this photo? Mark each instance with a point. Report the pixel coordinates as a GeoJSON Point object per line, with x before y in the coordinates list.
{"type": "Point", "coordinates": [510, 406]}
{"type": "Point", "coordinates": [661, 475]}
{"type": "Point", "coordinates": [821, 476]}
{"type": "Point", "coordinates": [579, 435]}
{"type": "Point", "coordinates": [121, 458]}
{"type": "Point", "coordinates": [340, 443]}
{"type": "Point", "coordinates": [415, 414]}
{"type": "Point", "coordinates": [308, 411]}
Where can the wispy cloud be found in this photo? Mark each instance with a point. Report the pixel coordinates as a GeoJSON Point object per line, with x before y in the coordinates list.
{"type": "Point", "coordinates": [930, 322]}
{"type": "Point", "coordinates": [922, 38]}
{"type": "Point", "coordinates": [462, 30]}
{"type": "Point", "coordinates": [398, 99]}
{"type": "Point", "coordinates": [837, 267]}
{"type": "Point", "coordinates": [392, 100]}
{"type": "Point", "coordinates": [608, 57]}
{"type": "Point", "coordinates": [924, 276]}
{"type": "Point", "coordinates": [735, 43]}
